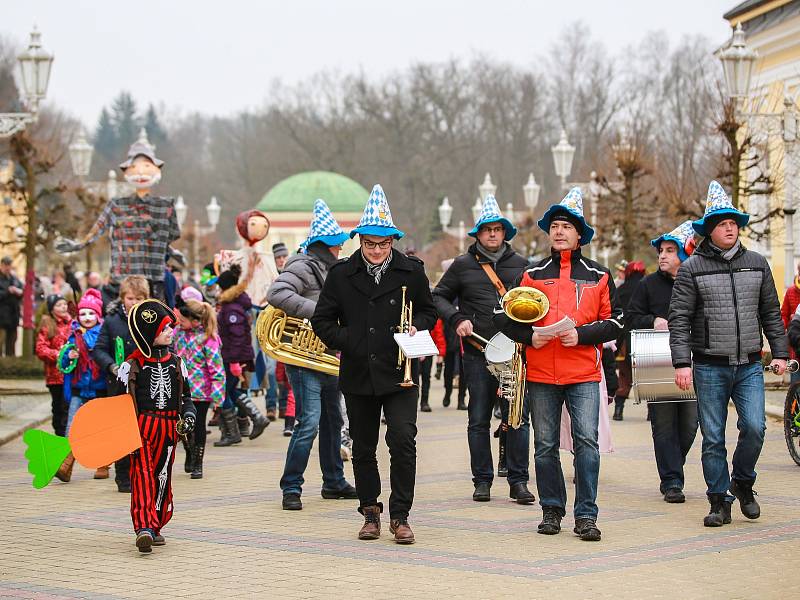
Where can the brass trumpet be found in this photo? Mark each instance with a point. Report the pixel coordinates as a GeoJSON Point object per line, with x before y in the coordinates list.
{"type": "Point", "coordinates": [406, 314]}
{"type": "Point", "coordinates": [525, 304]}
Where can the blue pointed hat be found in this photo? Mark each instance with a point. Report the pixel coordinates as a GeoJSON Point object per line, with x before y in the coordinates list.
{"type": "Point", "coordinates": [572, 205]}
{"type": "Point", "coordinates": [682, 235]}
{"type": "Point", "coordinates": [324, 228]}
{"type": "Point", "coordinates": [490, 213]}
{"type": "Point", "coordinates": [718, 207]}
{"type": "Point", "coordinates": [377, 218]}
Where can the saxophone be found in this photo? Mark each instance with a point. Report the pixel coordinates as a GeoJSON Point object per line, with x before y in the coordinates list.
{"type": "Point", "coordinates": [292, 341]}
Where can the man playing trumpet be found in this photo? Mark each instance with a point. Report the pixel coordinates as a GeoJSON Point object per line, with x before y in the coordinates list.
{"type": "Point", "coordinates": [358, 312]}
{"type": "Point", "coordinates": [565, 368]}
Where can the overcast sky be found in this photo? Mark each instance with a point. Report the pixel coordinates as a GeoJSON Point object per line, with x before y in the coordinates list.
{"type": "Point", "coordinates": [220, 57]}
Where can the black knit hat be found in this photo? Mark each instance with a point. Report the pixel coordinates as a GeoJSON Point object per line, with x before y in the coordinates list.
{"type": "Point", "coordinates": [51, 301]}
{"type": "Point", "coordinates": [146, 321]}
{"type": "Point", "coordinates": [229, 278]}
{"type": "Point", "coordinates": [563, 215]}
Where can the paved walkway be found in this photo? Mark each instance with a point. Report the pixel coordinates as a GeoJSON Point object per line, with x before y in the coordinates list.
{"type": "Point", "coordinates": [230, 538]}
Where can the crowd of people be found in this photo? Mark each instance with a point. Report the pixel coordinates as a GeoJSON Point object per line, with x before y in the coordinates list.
{"type": "Point", "coordinates": [186, 351]}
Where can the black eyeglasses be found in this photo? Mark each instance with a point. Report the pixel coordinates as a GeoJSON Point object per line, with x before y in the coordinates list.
{"type": "Point", "coordinates": [370, 245]}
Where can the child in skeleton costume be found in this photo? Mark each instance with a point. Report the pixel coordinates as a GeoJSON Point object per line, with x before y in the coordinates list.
{"type": "Point", "coordinates": [157, 381]}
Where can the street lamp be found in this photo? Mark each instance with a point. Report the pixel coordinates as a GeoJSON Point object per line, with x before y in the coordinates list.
{"type": "Point", "coordinates": [487, 188]}
{"type": "Point", "coordinates": [563, 153]}
{"type": "Point", "coordinates": [531, 192]}
{"type": "Point", "coordinates": [180, 211]}
{"type": "Point", "coordinates": [34, 65]}
{"type": "Point", "coordinates": [510, 212]}
{"type": "Point", "coordinates": [737, 64]}
{"type": "Point", "coordinates": [80, 155]}
{"type": "Point", "coordinates": [445, 213]}
{"type": "Point", "coordinates": [477, 208]}
{"type": "Point", "coordinates": [213, 211]}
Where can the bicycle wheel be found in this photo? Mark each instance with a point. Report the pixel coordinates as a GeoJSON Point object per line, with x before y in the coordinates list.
{"type": "Point", "coordinates": [791, 422]}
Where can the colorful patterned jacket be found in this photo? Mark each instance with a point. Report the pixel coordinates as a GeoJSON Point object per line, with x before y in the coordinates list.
{"type": "Point", "coordinates": [203, 360]}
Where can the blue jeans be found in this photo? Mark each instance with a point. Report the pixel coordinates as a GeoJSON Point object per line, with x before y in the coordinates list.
{"type": "Point", "coordinates": [231, 388]}
{"type": "Point", "coordinates": [482, 395]}
{"type": "Point", "coordinates": [583, 404]}
{"type": "Point", "coordinates": [715, 385]}
{"type": "Point", "coordinates": [74, 404]}
{"type": "Point", "coordinates": [316, 397]}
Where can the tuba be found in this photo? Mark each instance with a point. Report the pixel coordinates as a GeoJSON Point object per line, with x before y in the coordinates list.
{"type": "Point", "coordinates": [524, 305]}
{"type": "Point", "coordinates": [292, 341]}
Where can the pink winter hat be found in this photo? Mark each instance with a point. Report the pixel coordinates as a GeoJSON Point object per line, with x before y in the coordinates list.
{"type": "Point", "coordinates": [92, 300]}
{"type": "Point", "coordinates": [190, 293]}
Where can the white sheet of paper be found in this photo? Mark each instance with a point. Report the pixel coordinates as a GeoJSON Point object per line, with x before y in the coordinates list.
{"type": "Point", "coordinates": [555, 328]}
{"type": "Point", "coordinates": [416, 346]}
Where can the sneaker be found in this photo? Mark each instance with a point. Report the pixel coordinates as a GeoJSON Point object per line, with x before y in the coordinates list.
{"type": "Point", "coordinates": [743, 490]}
{"type": "Point", "coordinates": [482, 493]}
{"type": "Point", "coordinates": [551, 521]}
{"type": "Point", "coordinates": [287, 431]}
{"type": "Point", "coordinates": [158, 540]}
{"type": "Point", "coordinates": [587, 530]}
{"type": "Point", "coordinates": [674, 496]}
{"type": "Point", "coordinates": [144, 540]}
{"type": "Point", "coordinates": [348, 492]}
{"type": "Point", "coordinates": [291, 502]}
{"type": "Point", "coordinates": [720, 513]}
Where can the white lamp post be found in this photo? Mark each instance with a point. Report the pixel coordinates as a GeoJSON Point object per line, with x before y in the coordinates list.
{"type": "Point", "coordinates": [531, 192]}
{"type": "Point", "coordinates": [80, 155]}
{"type": "Point", "coordinates": [34, 64]}
{"type": "Point", "coordinates": [563, 153]}
{"type": "Point", "coordinates": [487, 188]}
{"type": "Point", "coordinates": [180, 211]}
{"type": "Point", "coordinates": [510, 212]}
{"type": "Point", "coordinates": [213, 211]}
{"type": "Point", "coordinates": [737, 64]}
{"type": "Point", "coordinates": [445, 213]}
{"type": "Point", "coordinates": [476, 209]}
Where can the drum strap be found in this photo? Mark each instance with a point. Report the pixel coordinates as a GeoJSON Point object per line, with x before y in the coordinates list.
{"type": "Point", "coordinates": [501, 289]}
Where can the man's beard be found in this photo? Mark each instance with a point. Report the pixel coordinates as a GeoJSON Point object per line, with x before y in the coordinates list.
{"type": "Point", "coordinates": [143, 182]}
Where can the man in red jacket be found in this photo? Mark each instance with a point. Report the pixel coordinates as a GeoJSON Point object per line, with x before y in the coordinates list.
{"type": "Point", "coordinates": [791, 300]}
{"type": "Point", "coordinates": [564, 367]}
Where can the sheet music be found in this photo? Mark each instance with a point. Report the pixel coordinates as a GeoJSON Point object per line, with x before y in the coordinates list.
{"type": "Point", "coordinates": [564, 324]}
{"type": "Point", "coordinates": [416, 346]}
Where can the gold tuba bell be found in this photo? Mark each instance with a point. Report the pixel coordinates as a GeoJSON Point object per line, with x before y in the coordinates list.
{"type": "Point", "coordinates": [292, 341]}
{"type": "Point", "coordinates": [525, 305]}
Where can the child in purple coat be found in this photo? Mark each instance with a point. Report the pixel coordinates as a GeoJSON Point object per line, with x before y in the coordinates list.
{"type": "Point", "coordinates": [235, 324]}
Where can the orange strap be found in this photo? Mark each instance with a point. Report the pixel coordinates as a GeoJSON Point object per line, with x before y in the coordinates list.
{"type": "Point", "coordinates": [493, 277]}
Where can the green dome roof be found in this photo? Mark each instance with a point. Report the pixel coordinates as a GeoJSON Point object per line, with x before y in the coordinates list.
{"type": "Point", "coordinates": [299, 192]}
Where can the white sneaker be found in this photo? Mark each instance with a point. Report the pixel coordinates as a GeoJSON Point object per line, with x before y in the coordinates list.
{"type": "Point", "coordinates": [345, 452]}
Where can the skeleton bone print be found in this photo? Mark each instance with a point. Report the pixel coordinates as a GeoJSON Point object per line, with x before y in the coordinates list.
{"type": "Point", "coordinates": [160, 384]}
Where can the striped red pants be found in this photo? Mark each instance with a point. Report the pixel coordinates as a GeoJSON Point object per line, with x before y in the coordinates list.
{"type": "Point", "coordinates": [151, 471]}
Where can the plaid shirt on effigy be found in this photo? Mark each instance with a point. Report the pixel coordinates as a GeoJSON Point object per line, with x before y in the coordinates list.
{"type": "Point", "coordinates": [140, 230]}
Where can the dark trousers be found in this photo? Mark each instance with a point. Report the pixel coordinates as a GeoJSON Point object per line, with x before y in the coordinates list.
{"type": "Point", "coordinates": [482, 396]}
{"type": "Point", "coordinates": [364, 413]}
{"type": "Point", "coordinates": [122, 467]}
{"type": "Point", "coordinates": [674, 426]}
{"type": "Point", "coordinates": [59, 408]}
{"type": "Point", "coordinates": [453, 365]}
{"type": "Point", "coordinates": [421, 370]}
{"type": "Point", "coordinates": [9, 336]}
{"type": "Point", "coordinates": [151, 471]}
{"type": "Point", "coordinates": [199, 433]}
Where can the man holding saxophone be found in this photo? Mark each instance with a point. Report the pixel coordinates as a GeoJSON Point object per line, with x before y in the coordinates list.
{"type": "Point", "coordinates": [466, 298]}
{"type": "Point", "coordinates": [363, 302]}
{"type": "Point", "coordinates": [563, 367]}
{"type": "Point", "coordinates": [316, 393]}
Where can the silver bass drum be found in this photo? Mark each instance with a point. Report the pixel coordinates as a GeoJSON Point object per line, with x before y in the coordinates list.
{"type": "Point", "coordinates": [653, 373]}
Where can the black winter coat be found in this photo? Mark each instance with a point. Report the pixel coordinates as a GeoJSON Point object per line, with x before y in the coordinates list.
{"type": "Point", "coordinates": [650, 300]}
{"type": "Point", "coordinates": [115, 325]}
{"type": "Point", "coordinates": [465, 292]}
{"type": "Point", "coordinates": [9, 303]}
{"type": "Point", "coordinates": [359, 318]}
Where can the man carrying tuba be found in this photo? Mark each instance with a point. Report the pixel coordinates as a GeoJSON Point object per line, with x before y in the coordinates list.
{"type": "Point", "coordinates": [466, 298]}
{"type": "Point", "coordinates": [565, 368]}
{"type": "Point", "coordinates": [295, 292]}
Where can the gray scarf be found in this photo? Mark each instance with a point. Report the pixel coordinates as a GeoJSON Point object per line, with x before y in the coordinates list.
{"type": "Point", "coordinates": [492, 256]}
{"type": "Point", "coordinates": [729, 253]}
{"type": "Point", "coordinates": [376, 271]}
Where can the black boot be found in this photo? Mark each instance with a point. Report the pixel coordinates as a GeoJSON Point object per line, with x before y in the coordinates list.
{"type": "Point", "coordinates": [502, 468]}
{"type": "Point", "coordinates": [188, 463]}
{"type": "Point", "coordinates": [619, 405]}
{"type": "Point", "coordinates": [461, 404]}
{"type": "Point", "coordinates": [446, 399]}
{"type": "Point", "coordinates": [260, 422]}
{"type": "Point", "coordinates": [743, 490]}
{"type": "Point", "coordinates": [244, 424]}
{"type": "Point", "coordinates": [229, 427]}
{"type": "Point", "coordinates": [424, 406]}
{"type": "Point", "coordinates": [720, 513]}
{"type": "Point", "coordinates": [197, 468]}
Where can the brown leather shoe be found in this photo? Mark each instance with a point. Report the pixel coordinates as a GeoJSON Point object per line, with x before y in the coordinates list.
{"type": "Point", "coordinates": [64, 472]}
{"type": "Point", "coordinates": [101, 473]}
{"type": "Point", "coordinates": [402, 531]}
{"type": "Point", "coordinates": [371, 530]}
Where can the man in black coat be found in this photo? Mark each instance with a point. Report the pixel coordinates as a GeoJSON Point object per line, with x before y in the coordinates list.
{"type": "Point", "coordinates": [466, 299]}
{"type": "Point", "coordinates": [358, 312]}
{"type": "Point", "coordinates": [634, 272]}
{"type": "Point", "coordinates": [10, 298]}
{"type": "Point", "coordinates": [674, 424]}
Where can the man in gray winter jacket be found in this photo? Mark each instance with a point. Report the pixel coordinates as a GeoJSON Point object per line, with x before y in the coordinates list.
{"type": "Point", "coordinates": [296, 291]}
{"type": "Point", "coordinates": [723, 297]}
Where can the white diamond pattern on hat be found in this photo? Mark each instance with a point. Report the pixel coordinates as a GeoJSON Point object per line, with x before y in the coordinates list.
{"type": "Point", "coordinates": [490, 211]}
{"type": "Point", "coordinates": [323, 223]}
{"type": "Point", "coordinates": [682, 232]}
{"type": "Point", "coordinates": [377, 212]}
{"type": "Point", "coordinates": [573, 201]}
{"type": "Point", "coordinates": [717, 199]}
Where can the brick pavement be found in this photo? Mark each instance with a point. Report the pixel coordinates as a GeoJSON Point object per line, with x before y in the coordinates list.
{"type": "Point", "coordinates": [230, 538]}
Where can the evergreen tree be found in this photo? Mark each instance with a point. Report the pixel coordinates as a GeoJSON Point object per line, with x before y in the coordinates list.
{"type": "Point", "coordinates": [126, 121]}
{"type": "Point", "coordinates": [155, 133]}
{"type": "Point", "coordinates": [105, 137]}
